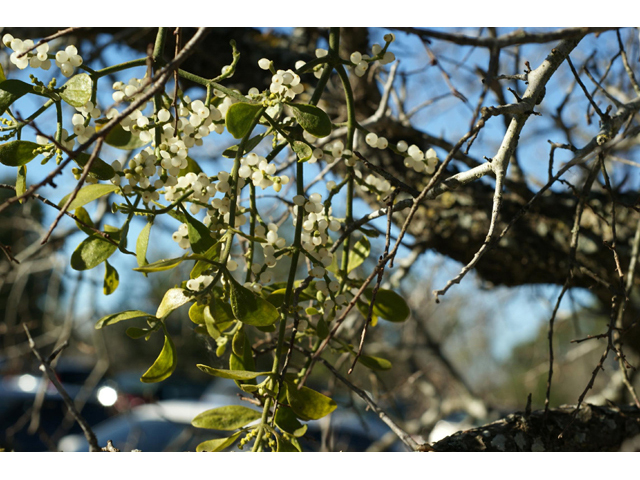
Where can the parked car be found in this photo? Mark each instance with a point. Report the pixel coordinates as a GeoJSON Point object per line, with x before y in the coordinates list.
{"type": "Point", "coordinates": [166, 426]}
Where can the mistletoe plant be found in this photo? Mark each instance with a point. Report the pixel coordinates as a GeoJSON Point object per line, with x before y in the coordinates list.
{"type": "Point", "coordinates": [232, 302]}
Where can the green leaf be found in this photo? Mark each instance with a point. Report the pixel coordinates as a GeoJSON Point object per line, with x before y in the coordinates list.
{"type": "Point", "coordinates": [135, 332]}
{"type": "Point", "coordinates": [218, 444]}
{"type": "Point", "coordinates": [77, 90]}
{"type": "Point", "coordinates": [312, 119]}
{"type": "Point", "coordinates": [232, 374]}
{"type": "Point", "coordinates": [17, 153]}
{"type": "Point", "coordinates": [276, 298]}
{"type": "Point", "coordinates": [119, 317]}
{"type": "Point", "coordinates": [358, 254]}
{"type": "Point", "coordinates": [164, 365]}
{"type": "Point", "coordinates": [161, 265]}
{"type": "Point", "coordinates": [111, 279]}
{"type": "Point", "coordinates": [21, 181]}
{"type": "Point", "coordinates": [302, 150]}
{"type": "Point", "coordinates": [249, 308]}
{"type": "Point", "coordinates": [221, 312]}
{"type": "Point", "coordinates": [88, 194]}
{"type": "Point", "coordinates": [99, 169]}
{"type": "Point", "coordinates": [142, 244]}
{"type": "Point", "coordinates": [173, 298]}
{"type": "Point", "coordinates": [250, 145]}
{"type": "Point", "coordinates": [199, 235]}
{"type": "Point", "coordinates": [226, 418]}
{"type": "Point", "coordinates": [83, 215]}
{"type": "Point", "coordinates": [210, 324]}
{"type": "Point", "coordinates": [213, 253]}
{"type": "Point", "coordinates": [2, 76]}
{"type": "Point", "coordinates": [287, 421]}
{"type": "Point", "coordinates": [374, 363]}
{"type": "Point", "coordinates": [192, 167]}
{"type": "Point", "coordinates": [120, 138]}
{"type": "Point", "coordinates": [12, 90]}
{"type": "Point", "coordinates": [241, 357]}
{"type": "Point", "coordinates": [308, 404]}
{"type": "Point", "coordinates": [93, 251]}
{"type": "Point", "coordinates": [322, 329]}
{"type": "Point", "coordinates": [285, 445]}
{"type": "Point", "coordinates": [389, 305]}
{"type": "Point", "coordinates": [240, 117]}
{"type": "Point", "coordinates": [196, 314]}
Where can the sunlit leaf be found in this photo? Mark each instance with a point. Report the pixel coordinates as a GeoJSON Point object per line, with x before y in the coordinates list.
{"type": "Point", "coordinates": [358, 254]}
{"type": "Point", "coordinates": [84, 217]}
{"type": "Point", "coordinates": [285, 445]}
{"type": "Point", "coordinates": [312, 119]}
{"type": "Point", "coordinates": [240, 117]}
{"type": "Point", "coordinates": [218, 444]}
{"type": "Point", "coordinates": [199, 235]}
{"type": "Point", "coordinates": [93, 251]}
{"type": "Point", "coordinates": [142, 244]}
{"type": "Point", "coordinates": [250, 145]}
{"type": "Point", "coordinates": [88, 194]}
{"type": "Point", "coordinates": [173, 298]}
{"type": "Point", "coordinates": [226, 418]}
{"type": "Point", "coordinates": [196, 314]}
{"type": "Point", "coordinates": [164, 365]}
{"type": "Point", "coordinates": [250, 308]}
{"type": "Point", "coordinates": [17, 153]}
{"type": "Point", "coordinates": [21, 181]}
{"type": "Point", "coordinates": [77, 90]}
{"type": "Point", "coordinates": [119, 317]}
{"type": "Point", "coordinates": [232, 374]}
{"type": "Point", "coordinates": [161, 265]}
{"type": "Point", "coordinates": [308, 404]}
{"type": "Point", "coordinates": [111, 279]}
{"type": "Point", "coordinates": [302, 150]}
{"type": "Point", "coordinates": [201, 266]}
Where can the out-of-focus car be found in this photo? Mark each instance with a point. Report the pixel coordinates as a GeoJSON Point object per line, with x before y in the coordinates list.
{"type": "Point", "coordinates": [17, 396]}
{"type": "Point", "coordinates": [166, 426]}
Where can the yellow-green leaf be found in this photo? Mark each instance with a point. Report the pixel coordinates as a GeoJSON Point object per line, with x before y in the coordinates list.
{"type": "Point", "coordinates": [164, 365]}
{"type": "Point", "coordinates": [218, 444]}
{"type": "Point", "coordinates": [389, 305]}
{"type": "Point", "coordinates": [77, 90]}
{"type": "Point", "coordinates": [226, 418]}
{"type": "Point", "coordinates": [199, 235]}
{"type": "Point", "coordinates": [173, 298]}
{"type": "Point", "coordinates": [231, 374]}
{"type": "Point", "coordinates": [93, 251]}
{"type": "Point", "coordinates": [250, 308]}
{"type": "Point", "coordinates": [111, 279]}
{"type": "Point", "coordinates": [302, 150]}
{"type": "Point", "coordinates": [99, 168]}
{"type": "Point", "coordinates": [88, 194]}
{"type": "Point", "coordinates": [119, 317]}
{"type": "Point", "coordinates": [196, 314]}
{"type": "Point", "coordinates": [358, 254]}
{"type": "Point", "coordinates": [240, 117]}
{"type": "Point", "coordinates": [308, 404]}
{"type": "Point", "coordinates": [21, 181]}
{"type": "Point", "coordinates": [374, 363]}
{"type": "Point", "coordinates": [84, 217]}
{"type": "Point", "coordinates": [17, 153]}
{"type": "Point", "coordinates": [287, 421]}
{"type": "Point", "coordinates": [142, 244]}
{"type": "Point", "coordinates": [12, 90]}
{"type": "Point", "coordinates": [160, 265]}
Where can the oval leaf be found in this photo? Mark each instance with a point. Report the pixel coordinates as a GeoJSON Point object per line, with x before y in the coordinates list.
{"type": "Point", "coordinates": [374, 363]}
{"type": "Point", "coordinates": [77, 90]}
{"type": "Point", "coordinates": [92, 252]}
{"type": "Point", "coordinates": [199, 235]}
{"type": "Point", "coordinates": [226, 418]}
{"type": "Point", "coordinates": [142, 244]}
{"type": "Point", "coordinates": [21, 181]}
{"type": "Point", "coordinates": [173, 298]}
{"type": "Point", "coordinates": [164, 365]}
{"type": "Point", "coordinates": [12, 90]}
{"type": "Point", "coordinates": [302, 150]}
{"type": "Point", "coordinates": [119, 317]}
{"type": "Point", "coordinates": [309, 404]}
{"type": "Point", "coordinates": [196, 314]}
{"type": "Point", "coordinates": [88, 194]}
{"type": "Point", "coordinates": [99, 169]}
{"type": "Point", "coordinates": [240, 117]}
{"type": "Point", "coordinates": [359, 254]}
{"type": "Point", "coordinates": [120, 138]}
{"type": "Point", "coordinates": [111, 279]}
{"type": "Point", "coordinates": [135, 332]}
{"type": "Point", "coordinates": [218, 444]}
{"type": "Point", "coordinates": [312, 119]}
{"type": "Point", "coordinates": [251, 309]}
{"type": "Point", "coordinates": [232, 374]}
{"type": "Point", "coordinates": [389, 305]}
{"type": "Point", "coordinates": [287, 421]}
{"type": "Point", "coordinates": [17, 153]}
{"type": "Point", "coordinates": [252, 143]}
